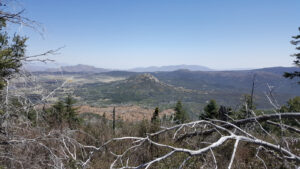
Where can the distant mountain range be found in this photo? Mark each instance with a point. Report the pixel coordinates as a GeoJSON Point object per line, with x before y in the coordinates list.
{"type": "Point", "coordinates": [170, 68]}
{"type": "Point", "coordinates": [219, 80]}
{"type": "Point", "coordinates": [81, 68]}
{"type": "Point", "coordinates": [92, 69]}
{"type": "Point", "coordinates": [233, 81]}
{"type": "Point", "coordinates": [40, 66]}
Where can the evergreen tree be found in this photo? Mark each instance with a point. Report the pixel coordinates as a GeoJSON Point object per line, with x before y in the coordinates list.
{"type": "Point", "coordinates": [114, 119]}
{"type": "Point", "coordinates": [63, 113]}
{"type": "Point", "coordinates": [155, 116]}
{"type": "Point", "coordinates": [211, 110]}
{"type": "Point", "coordinates": [180, 114]}
{"type": "Point", "coordinates": [224, 113]}
{"type": "Point", "coordinates": [293, 105]}
{"type": "Point", "coordinates": [294, 74]}
{"type": "Point", "coordinates": [155, 121]}
{"type": "Point", "coordinates": [12, 52]}
{"type": "Point", "coordinates": [71, 112]}
{"type": "Point", "coordinates": [57, 114]}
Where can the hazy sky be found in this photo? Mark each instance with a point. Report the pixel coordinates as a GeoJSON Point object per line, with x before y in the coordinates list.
{"type": "Point", "coordinates": [132, 33]}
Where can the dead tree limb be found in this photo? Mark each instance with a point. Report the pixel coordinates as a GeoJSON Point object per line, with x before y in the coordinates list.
{"type": "Point", "coordinates": [225, 135]}
{"type": "Point", "coordinates": [241, 122]}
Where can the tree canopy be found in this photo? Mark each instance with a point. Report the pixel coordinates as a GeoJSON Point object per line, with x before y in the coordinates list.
{"type": "Point", "coordinates": [294, 74]}
{"type": "Point", "coordinates": [155, 116]}
{"type": "Point", "coordinates": [12, 52]}
{"type": "Point", "coordinates": [211, 110]}
{"type": "Point", "coordinates": [293, 105]}
{"type": "Point", "coordinates": [63, 113]}
{"type": "Point", "coordinates": [180, 114]}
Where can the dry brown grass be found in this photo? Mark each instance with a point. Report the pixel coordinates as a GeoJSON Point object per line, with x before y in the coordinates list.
{"type": "Point", "coordinates": [126, 113]}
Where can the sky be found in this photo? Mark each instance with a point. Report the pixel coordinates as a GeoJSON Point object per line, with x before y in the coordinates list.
{"type": "Point", "coordinates": [123, 34]}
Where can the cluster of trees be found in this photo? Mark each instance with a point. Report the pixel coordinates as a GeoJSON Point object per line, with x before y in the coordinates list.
{"type": "Point", "coordinates": [63, 114]}
{"type": "Point", "coordinates": [293, 105]}
{"type": "Point", "coordinates": [213, 111]}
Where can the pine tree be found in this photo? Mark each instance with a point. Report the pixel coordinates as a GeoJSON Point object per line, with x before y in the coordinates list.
{"type": "Point", "coordinates": [71, 112]}
{"type": "Point", "coordinates": [12, 52]}
{"type": "Point", "coordinates": [293, 105]}
{"type": "Point", "coordinates": [114, 119]}
{"type": "Point", "coordinates": [155, 116]}
{"type": "Point", "coordinates": [155, 122]}
{"type": "Point", "coordinates": [63, 113]}
{"type": "Point", "coordinates": [180, 114]}
{"type": "Point", "coordinates": [294, 74]}
{"type": "Point", "coordinates": [211, 110]}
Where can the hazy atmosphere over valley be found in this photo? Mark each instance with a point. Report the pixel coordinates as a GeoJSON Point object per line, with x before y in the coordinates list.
{"type": "Point", "coordinates": [152, 84]}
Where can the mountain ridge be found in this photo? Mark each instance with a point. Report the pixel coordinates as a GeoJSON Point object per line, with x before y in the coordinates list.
{"type": "Point", "coordinates": [82, 68]}
{"type": "Point", "coordinates": [168, 68]}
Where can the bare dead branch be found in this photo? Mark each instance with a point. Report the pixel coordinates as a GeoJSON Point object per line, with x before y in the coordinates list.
{"type": "Point", "coordinates": [261, 118]}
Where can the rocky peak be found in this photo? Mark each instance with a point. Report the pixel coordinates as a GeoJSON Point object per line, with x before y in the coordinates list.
{"type": "Point", "coordinates": [146, 77]}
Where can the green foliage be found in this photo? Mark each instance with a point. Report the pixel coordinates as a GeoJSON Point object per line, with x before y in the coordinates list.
{"type": "Point", "coordinates": [12, 52]}
{"type": "Point", "coordinates": [294, 74]}
{"type": "Point", "coordinates": [224, 113]}
{"type": "Point", "coordinates": [63, 113]}
{"type": "Point", "coordinates": [293, 105]}
{"type": "Point", "coordinates": [71, 112]}
{"type": "Point", "coordinates": [155, 121]}
{"type": "Point", "coordinates": [155, 116]}
{"type": "Point", "coordinates": [180, 114]}
{"type": "Point", "coordinates": [211, 110]}
{"type": "Point", "coordinates": [114, 119]}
